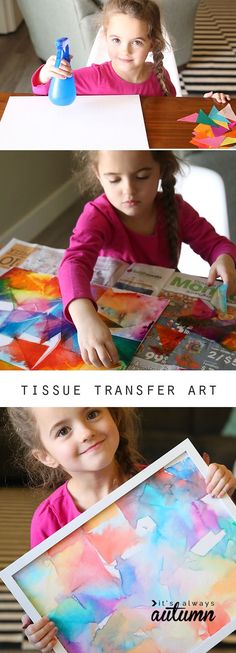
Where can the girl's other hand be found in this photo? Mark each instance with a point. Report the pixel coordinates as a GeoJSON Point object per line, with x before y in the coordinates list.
{"type": "Point", "coordinates": [224, 267]}
{"type": "Point", "coordinates": [48, 70]}
{"type": "Point", "coordinates": [221, 98]}
{"type": "Point", "coordinates": [220, 480]}
{"type": "Point", "coordinates": [42, 634]}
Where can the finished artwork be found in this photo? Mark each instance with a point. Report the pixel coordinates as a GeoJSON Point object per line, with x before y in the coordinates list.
{"type": "Point", "coordinates": [151, 568]}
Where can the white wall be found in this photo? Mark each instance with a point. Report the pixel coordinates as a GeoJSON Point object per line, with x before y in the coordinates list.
{"type": "Point", "coordinates": [35, 187]}
{"type": "Point", "coordinates": [10, 16]}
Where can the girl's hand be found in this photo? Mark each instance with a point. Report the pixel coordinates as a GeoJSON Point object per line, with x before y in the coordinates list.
{"type": "Point", "coordinates": [220, 480]}
{"type": "Point", "coordinates": [219, 97]}
{"type": "Point", "coordinates": [96, 344]}
{"type": "Point", "coordinates": [95, 341]}
{"type": "Point", "coordinates": [41, 634]}
{"type": "Point", "coordinates": [48, 70]}
{"type": "Point", "coordinates": [224, 267]}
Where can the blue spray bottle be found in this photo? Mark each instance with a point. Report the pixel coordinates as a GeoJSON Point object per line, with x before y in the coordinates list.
{"type": "Point", "coordinates": [62, 91]}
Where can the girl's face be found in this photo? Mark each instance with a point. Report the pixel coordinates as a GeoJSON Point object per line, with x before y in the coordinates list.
{"type": "Point", "coordinates": [128, 42]}
{"type": "Point", "coordinates": [130, 180]}
{"type": "Point", "coordinates": [76, 439]}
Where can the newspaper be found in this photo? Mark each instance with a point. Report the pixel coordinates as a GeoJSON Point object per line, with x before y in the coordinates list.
{"type": "Point", "coordinates": [109, 272]}
{"type": "Point", "coordinates": [29, 256]}
{"type": "Point", "coordinates": [146, 279]}
{"type": "Point", "coordinates": [39, 258]}
{"type": "Point", "coordinates": [190, 333]}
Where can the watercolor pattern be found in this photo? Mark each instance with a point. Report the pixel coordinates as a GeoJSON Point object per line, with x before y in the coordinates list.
{"type": "Point", "coordinates": [164, 541]}
{"type": "Point", "coordinates": [34, 334]}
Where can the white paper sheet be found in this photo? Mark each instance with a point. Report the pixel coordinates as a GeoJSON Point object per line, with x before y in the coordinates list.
{"type": "Point", "coordinates": [90, 123]}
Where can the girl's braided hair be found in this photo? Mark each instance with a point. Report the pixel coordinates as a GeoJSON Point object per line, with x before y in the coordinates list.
{"type": "Point", "coordinates": [148, 11]}
{"type": "Point", "coordinates": [25, 427]}
{"type": "Point", "coordinates": [170, 166]}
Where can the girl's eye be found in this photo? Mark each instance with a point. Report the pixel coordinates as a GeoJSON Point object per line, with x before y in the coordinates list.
{"type": "Point", "coordinates": [63, 432]}
{"type": "Point", "coordinates": [92, 414]}
{"type": "Point", "coordinates": [142, 178]}
{"type": "Point", "coordinates": [115, 40]}
{"type": "Point", "coordinates": [114, 181]}
{"type": "Point", "coordinates": [137, 43]}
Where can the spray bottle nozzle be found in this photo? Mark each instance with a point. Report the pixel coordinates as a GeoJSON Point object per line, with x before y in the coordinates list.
{"type": "Point", "coordinates": [63, 52]}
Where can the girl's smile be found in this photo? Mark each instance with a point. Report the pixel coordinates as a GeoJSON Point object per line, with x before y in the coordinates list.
{"type": "Point", "coordinates": [93, 447]}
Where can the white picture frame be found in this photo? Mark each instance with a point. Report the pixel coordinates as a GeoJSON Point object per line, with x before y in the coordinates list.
{"type": "Point", "coordinates": [176, 456]}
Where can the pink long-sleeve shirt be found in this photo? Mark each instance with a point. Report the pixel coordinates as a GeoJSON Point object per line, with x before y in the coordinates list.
{"type": "Point", "coordinates": [99, 231]}
{"type": "Point", "coordinates": [53, 513]}
{"type": "Point", "coordinates": [101, 79]}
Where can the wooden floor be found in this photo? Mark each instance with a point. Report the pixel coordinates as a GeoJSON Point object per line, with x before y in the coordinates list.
{"type": "Point", "coordinates": [18, 61]}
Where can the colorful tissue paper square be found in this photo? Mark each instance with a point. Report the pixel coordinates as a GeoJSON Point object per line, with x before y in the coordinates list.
{"type": "Point", "coordinates": [215, 114]}
{"type": "Point", "coordinates": [228, 112]}
{"type": "Point", "coordinates": [209, 143]}
{"type": "Point", "coordinates": [204, 119]}
{"type": "Point", "coordinates": [219, 131]}
{"type": "Point", "coordinates": [229, 140]}
{"type": "Point", "coordinates": [191, 118]}
{"type": "Point", "coordinates": [215, 130]}
{"type": "Point", "coordinates": [199, 144]}
{"type": "Point", "coordinates": [204, 131]}
{"type": "Point", "coordinates": [219, 299]}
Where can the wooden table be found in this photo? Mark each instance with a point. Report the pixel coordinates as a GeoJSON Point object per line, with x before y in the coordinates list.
{"type": "Point", "coordinates": [4, 99]}
{"type": "Point", "coordinates": [160, 116]}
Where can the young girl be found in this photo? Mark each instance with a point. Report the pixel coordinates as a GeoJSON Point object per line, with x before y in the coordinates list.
{"type": "Point", "coordinates": [88, 450]}
{"type": "Point", "coordinates": [133, 222]}
{"type": "Point", "coordinates": [132, 29]}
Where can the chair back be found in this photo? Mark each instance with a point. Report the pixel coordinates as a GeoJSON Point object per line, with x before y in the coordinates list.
{"type": "Point", "coordinates": [204, 189]}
